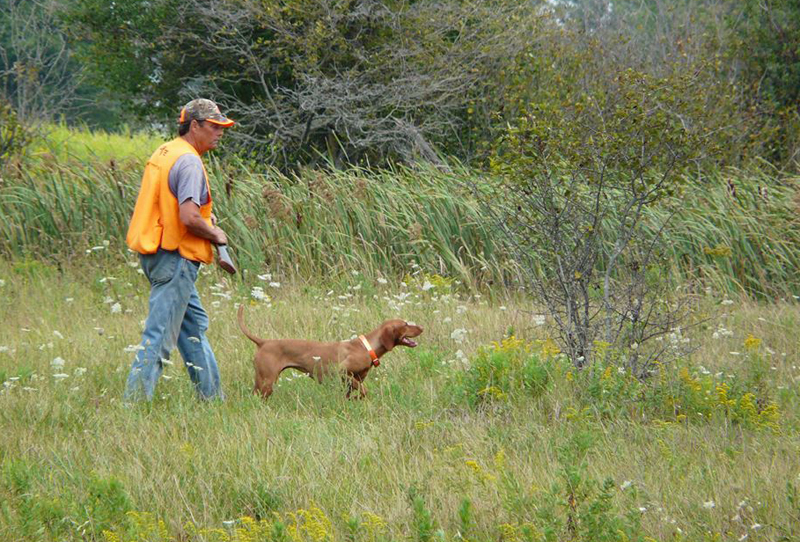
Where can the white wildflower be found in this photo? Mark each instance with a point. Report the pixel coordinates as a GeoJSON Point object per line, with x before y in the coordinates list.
{"type": "Point", "coordinates": [274, 284]}
{"type": "Point", "coordinates": [58, 334]}
{"type": "Point", "coordinates": [538, 319]}
{"type": "Point", "coordinates": [708, 505]}
{"type": "Point", "coordinates": [69, 299]}
{"type": "Point", "coordinates": [755, 526]}
{"type": "Point", "coordinates": [427, 286]}
{"type": "Point", "coordinates": [625, 485]}
{"type": "Point", "coordinates": [258, 294]}
{"type": "Point", "coordinates": [382, 280]}
{"type": "Point", "coordinates": [116, 308]}
{"type": "Point", "coordinates": [459, 335]}
{"type": "Point", "coordinates": [60, 376]}
{"type": "Point", "coordinates": [726, 302]}
{"type": "Point", "coordinates": [57, 363]}
{"type": "Point", "coordinates": [108, 300]}
{"type": "Point", "coordinates": [80, 371]}
{"type": "Point", "coordinates": [461, 309]}
{"type": "Point", "coordinates": [267, 277]}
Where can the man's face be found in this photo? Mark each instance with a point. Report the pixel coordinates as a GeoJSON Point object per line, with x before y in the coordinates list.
{"type": "Point", "coordinates": [206, 135]}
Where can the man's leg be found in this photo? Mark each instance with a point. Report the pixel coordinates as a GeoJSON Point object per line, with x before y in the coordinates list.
{"type": "Point", "coordinates": [171, 285]}
{"type": "Point", "coordinates": [196, 351]}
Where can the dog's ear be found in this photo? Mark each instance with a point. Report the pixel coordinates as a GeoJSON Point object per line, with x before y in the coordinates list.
{"type": "Point", "coordinates": [389, 336]}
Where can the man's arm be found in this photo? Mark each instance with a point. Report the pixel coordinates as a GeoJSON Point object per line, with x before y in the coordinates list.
{"type": "Point", "coordinates": [190, 216]}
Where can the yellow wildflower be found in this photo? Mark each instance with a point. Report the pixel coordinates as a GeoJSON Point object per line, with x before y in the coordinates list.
{"type": "Point", "coordinates": [752, 343]}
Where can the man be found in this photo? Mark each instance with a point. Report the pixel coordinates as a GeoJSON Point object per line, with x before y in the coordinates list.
{"type": "Point", "coordinates": [172, 229]}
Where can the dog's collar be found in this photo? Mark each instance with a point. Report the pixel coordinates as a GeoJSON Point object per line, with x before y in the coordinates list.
{"type": "Point", "coordinates": [372, 354]}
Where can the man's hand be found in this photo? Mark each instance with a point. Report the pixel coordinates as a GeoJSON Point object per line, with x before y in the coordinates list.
{"type": "Point", "coordinates": [190, 216]}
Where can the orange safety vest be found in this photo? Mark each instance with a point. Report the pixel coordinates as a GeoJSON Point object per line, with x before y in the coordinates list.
{"type": "Point", "coordinates": [156, 218]}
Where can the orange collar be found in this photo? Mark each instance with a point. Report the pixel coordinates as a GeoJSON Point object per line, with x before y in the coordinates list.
{"type": "Point", "coordinates": [372, 353]}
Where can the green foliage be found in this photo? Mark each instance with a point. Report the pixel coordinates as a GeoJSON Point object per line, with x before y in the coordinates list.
{"type": "Point", "coordinates": [424, 524]}
{"type": "Point", "coordinates": [505, 369]}
{"type": "Point", "coordinates": [14, 138]}
{"type": "Point", "coordinates": [356, 82]}
{"type": "Point", "coordinates": [769, 47]}
{"type": "Point", "coordinates": [103, 506]}
{"type": "Point", "coordinates": [106, 504]}
{"type": "Point", "coordinates": [121, 42]}
{"type": "Point", "coordinates": [578, 506]}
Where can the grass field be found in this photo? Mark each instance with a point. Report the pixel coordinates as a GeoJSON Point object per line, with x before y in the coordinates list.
{"type": "Point", "coordinates": [458, 439]}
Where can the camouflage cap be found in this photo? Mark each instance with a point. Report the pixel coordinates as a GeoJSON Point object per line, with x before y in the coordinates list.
{"type": "Point", "coordinates": [202, 109]}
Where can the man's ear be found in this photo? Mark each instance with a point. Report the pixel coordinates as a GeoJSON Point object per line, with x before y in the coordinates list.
{"type": "Point", "coordinates": [388, 337]}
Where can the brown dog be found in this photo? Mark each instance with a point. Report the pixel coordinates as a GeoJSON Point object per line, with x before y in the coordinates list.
{"type": "Point", "coordinates": [353, 358]}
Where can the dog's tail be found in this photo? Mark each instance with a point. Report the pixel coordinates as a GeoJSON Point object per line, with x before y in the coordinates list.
{"type": "Point", "coordinates": [244, 329]}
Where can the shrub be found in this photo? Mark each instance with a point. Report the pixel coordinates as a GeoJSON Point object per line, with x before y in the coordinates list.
{"type": "Point", "coordinates": [503, 369]}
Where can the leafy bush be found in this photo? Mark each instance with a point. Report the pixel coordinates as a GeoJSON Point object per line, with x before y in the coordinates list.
{"type": "Point", "coordinates": [505, 368]}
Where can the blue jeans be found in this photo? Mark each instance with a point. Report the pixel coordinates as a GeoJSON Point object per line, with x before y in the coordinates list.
{"type": "Point", "coordinates": [176, 317]}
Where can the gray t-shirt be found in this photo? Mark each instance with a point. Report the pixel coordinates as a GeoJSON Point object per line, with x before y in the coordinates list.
{"type": "Point", "coordinates": [187, 181]}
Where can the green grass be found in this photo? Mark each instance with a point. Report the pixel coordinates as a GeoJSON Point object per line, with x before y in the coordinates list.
{"type": "Point", "coordinates": [417, 460]}
{"type": "Point", "coordinates": [81, 145]}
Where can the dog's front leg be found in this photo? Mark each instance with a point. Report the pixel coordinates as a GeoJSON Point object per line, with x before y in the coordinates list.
{"type": "Point", "coordinates": [355, 383]}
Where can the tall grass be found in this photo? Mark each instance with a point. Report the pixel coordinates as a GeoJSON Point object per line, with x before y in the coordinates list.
{"type": "Point", "coordinates": [329, 223]}
{"type": "Point", "coordinates": [740, 233]}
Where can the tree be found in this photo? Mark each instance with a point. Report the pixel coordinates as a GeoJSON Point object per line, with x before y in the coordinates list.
{"type": "Point", "coordinates": [354, 81]}
{"type": "Point", "coordinates": [576, 176]}
{"type": "Point", "coordinates": [770, 52]}
{"type": "Point", "coordinates": [37, 74]}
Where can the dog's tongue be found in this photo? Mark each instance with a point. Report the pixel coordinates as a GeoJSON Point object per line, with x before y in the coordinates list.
{"type": "Point", "coordinates": [408, 342]}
